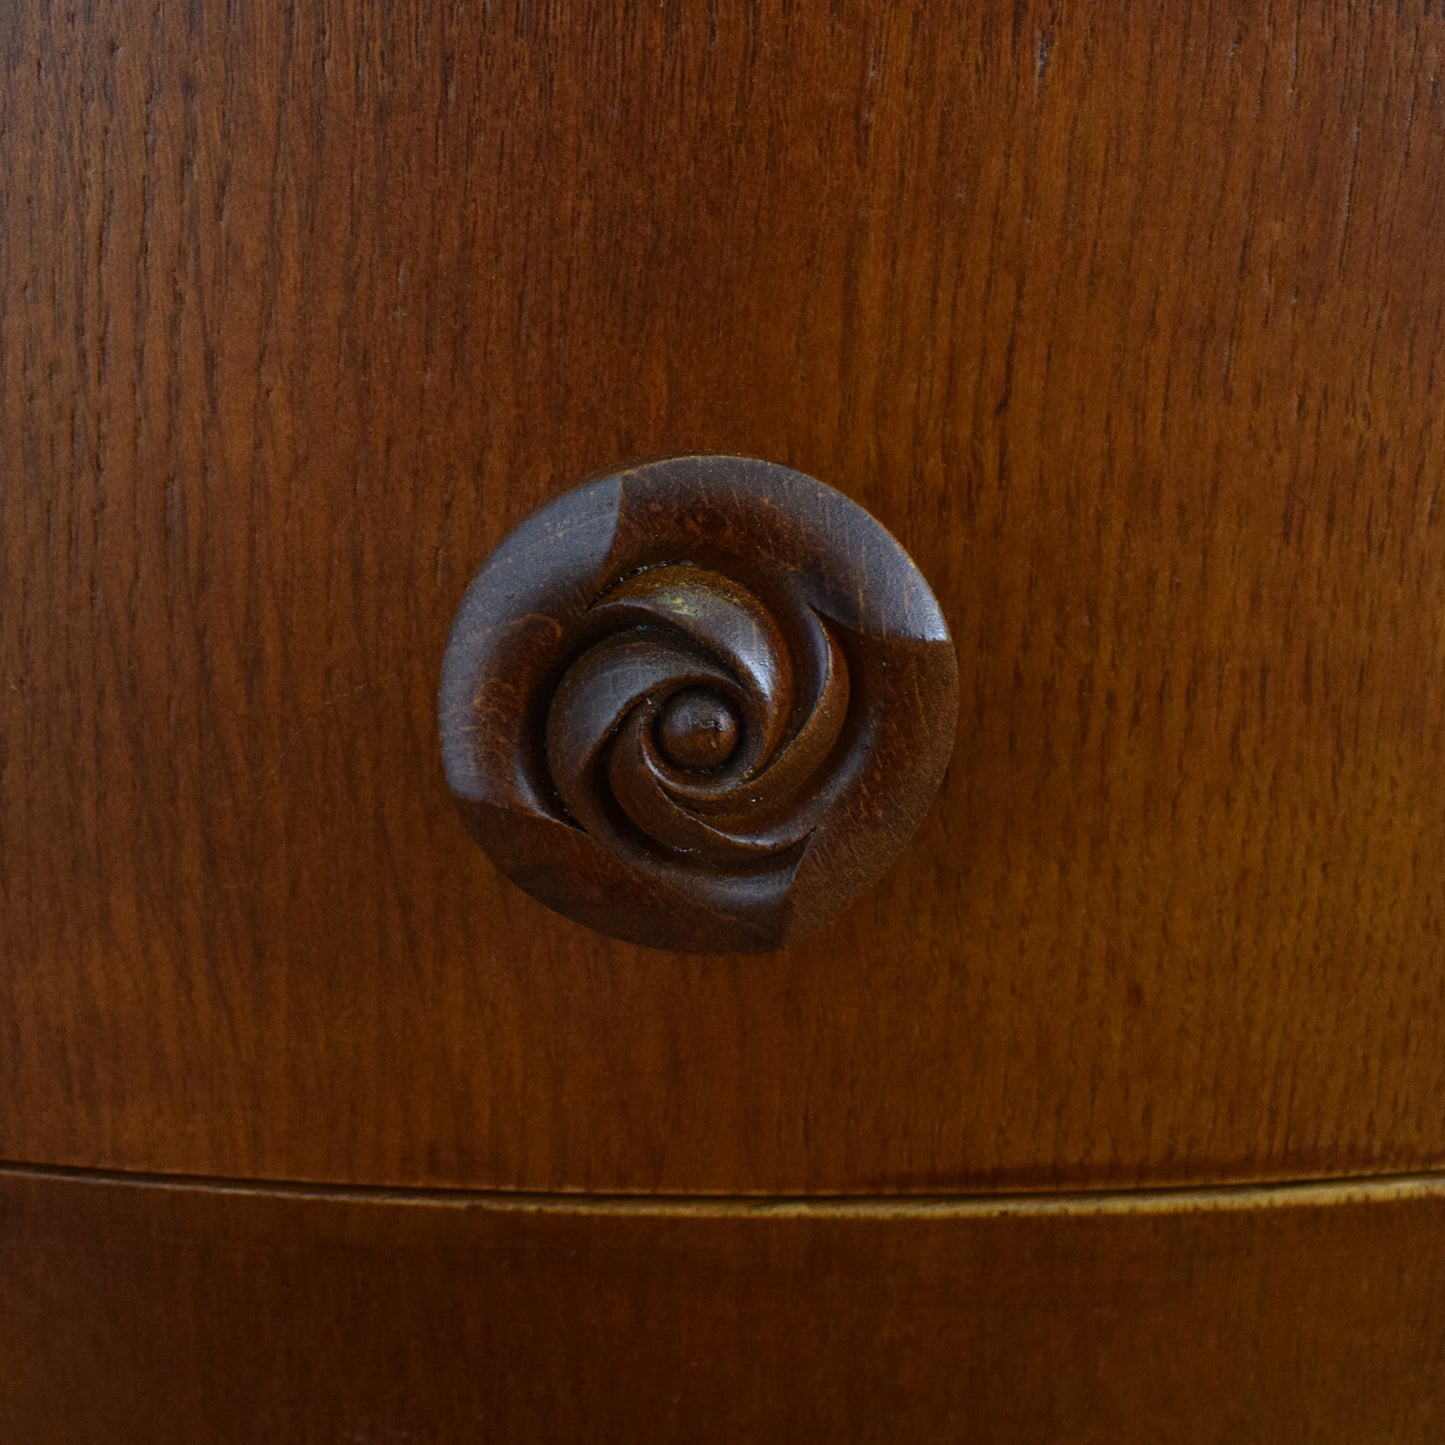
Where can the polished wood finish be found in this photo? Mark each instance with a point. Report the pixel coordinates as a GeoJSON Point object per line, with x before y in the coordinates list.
{"type": "Point", "coordinates": [1127, 321]}
{"type": "Point", "coordinates": [137, 1313]}
{"type": "Point", "coordinates": [700, 704]}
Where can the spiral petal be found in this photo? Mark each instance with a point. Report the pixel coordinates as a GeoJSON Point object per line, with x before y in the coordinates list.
{"type": "Point", "coordinates": [723, 619]}
{"type": "Point", "coordinates": [614, 677]}
{"type": "Point", "coordinates": [668, 822]}
{"type": "Point", "coordinates": [739, 802]}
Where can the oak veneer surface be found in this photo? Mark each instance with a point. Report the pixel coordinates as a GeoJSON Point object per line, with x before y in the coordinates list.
{"type": "Point", "coordinates": [130, 1310]}
{"type": "Point", "coordinates": [1128, 320]}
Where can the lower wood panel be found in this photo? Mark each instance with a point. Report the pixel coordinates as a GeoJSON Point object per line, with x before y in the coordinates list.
{"type": "Point", "coordinates": [143, 1311]}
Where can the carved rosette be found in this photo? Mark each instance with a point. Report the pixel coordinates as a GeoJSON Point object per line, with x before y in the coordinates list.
{"type": "Point", "coordinates": [698, 705]}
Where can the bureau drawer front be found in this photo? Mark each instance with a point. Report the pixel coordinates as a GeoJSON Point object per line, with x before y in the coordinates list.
{"type": "Point", "coordinates": [1126, 323]}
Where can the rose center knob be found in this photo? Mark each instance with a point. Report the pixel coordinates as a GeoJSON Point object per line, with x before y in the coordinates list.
{"type": "Point", "coordinates": [697, 730]}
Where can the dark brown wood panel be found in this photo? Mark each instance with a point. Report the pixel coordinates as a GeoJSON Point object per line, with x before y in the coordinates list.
{"type": "Point", "coordinates": [1128, 320]}
{"type": "Point", "coordinates": [135, 1312]}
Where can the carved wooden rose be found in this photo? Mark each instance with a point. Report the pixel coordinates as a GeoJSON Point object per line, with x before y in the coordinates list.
{"type": "Point", "coordinates": [700, 704]}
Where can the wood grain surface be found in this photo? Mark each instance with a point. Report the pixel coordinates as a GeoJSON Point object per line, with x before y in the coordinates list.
{"type": "Point", "coordinates": [1303, 1317]}
{"type": "Point", "coordinates": [1127, 320]}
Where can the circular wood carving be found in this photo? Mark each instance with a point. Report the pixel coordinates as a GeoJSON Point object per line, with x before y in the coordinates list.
{"type": "Point", "coordinates": [700, 704]}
